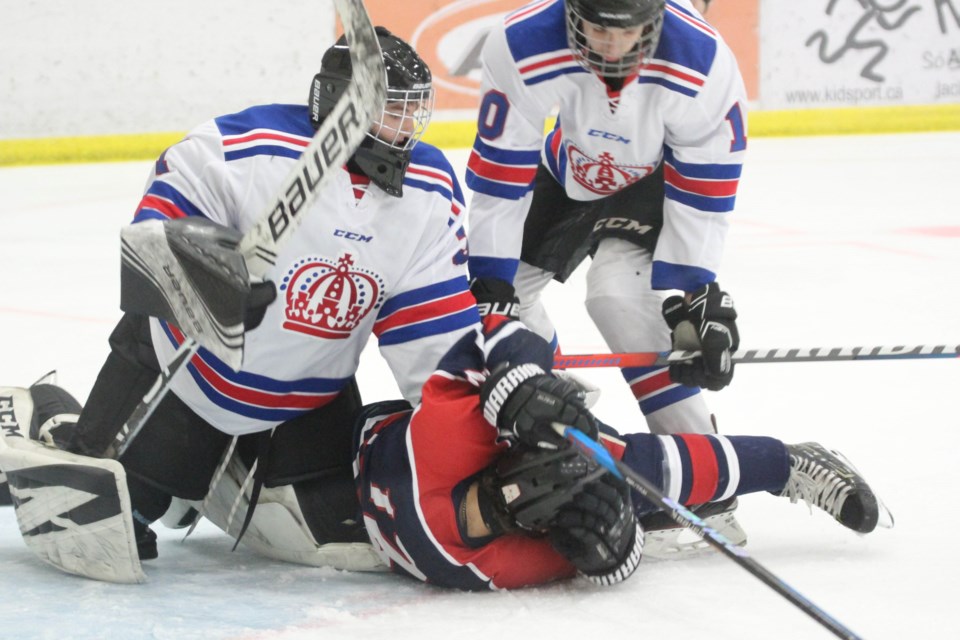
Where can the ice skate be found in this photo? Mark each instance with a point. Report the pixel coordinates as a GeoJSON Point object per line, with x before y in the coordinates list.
{"type": "Point", "coordinates": [664, 539]}
{"type": "Point", "coordinates": [827, 480]}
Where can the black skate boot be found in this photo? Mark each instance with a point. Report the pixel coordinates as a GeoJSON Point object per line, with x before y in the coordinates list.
{"type": "Point", "coordinates": [826, 479]}
{"type": "Point", "coordinates": [146, 541]}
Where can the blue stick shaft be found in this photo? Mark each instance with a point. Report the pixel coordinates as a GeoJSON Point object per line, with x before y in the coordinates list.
{"type": "Point", "coordinates": [684, 517]}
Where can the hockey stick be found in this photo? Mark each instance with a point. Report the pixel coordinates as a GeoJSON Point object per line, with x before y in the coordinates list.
{"type": "Point", "coordinates": [684, 517]}
{"type": "Point", "coordinates": [334, 142]}
{"type": "Point", "coordinates": [748, 356]}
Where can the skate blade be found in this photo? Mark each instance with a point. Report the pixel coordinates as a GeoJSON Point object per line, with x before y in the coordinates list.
{"type": "Point", "coordinates": [680, 542]}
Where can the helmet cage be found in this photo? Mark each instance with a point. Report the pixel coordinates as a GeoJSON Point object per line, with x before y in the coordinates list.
{"type": "Point", "coordinates": [649, 22]}
{"type": "Point", "coordinates": [404, 118]}
{"type": "Point", "coordinates": [384, 153]}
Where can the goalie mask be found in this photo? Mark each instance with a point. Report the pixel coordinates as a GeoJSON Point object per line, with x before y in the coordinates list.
{"type": "Point", "coordinates": [614, 38]}
{"type": "Point", "coordinates": [384, 154]}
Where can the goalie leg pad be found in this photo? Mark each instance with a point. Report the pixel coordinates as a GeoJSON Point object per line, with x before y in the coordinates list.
{"type": "Point", "coordinates": [73, 511]}
{"type": "Point", "coordinates": [278, 528]}
{"type": "Point", "coordinates": [307, 511]}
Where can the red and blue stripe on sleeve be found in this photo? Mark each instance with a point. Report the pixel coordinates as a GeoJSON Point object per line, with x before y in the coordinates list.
{"type": "Point", "coordinates": [433, 310]}
{"type": "Point", "coordinates": [163, 201]}
{"type": "Point", "coordinates": [502, 173]}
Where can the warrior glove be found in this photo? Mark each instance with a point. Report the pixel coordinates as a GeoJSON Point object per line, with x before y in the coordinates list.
{"type": "Point", "coordinates": [586, 513]}
{"type": "Point", "coordinates": [526, 488]}
{"type": "Point", "coordinates": [705, 323]}
{"type": "Point", "coordinates": [525, 402]}
{"type": "Point", "coordinates": [495, 297]}
{"type": "Point", "coordinates": [598, 532]}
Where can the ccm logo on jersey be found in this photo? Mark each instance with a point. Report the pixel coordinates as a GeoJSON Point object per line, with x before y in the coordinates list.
{"type": "Point", "coordinates": [606, 135]}
{"type": "Point", "coordinates": [622, 224]}
{"type": "Point", "coordinates": [350, 235]}
{"type": "Point", "coordinates": [8, 419]}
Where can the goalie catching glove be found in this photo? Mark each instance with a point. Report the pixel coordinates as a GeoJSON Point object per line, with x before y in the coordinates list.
{"type": "Point", "coordinates": [706, 323]}
{"type": "Point", "coordinates": [189, 272]}
{"type": "Point", "coordinates": [525, 402]}
{"type": "Point", "coordinates": [586, 513]}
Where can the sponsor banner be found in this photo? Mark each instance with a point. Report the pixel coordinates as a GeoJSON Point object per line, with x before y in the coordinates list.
{"type": "Point", "coordinates": [449, 35]}
{"type": "Point", "coordinates": [859, 53]}
{"type": "Point", "coordinates": [738, 22]}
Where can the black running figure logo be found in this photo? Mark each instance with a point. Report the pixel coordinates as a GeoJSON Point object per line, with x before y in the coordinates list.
{"type": "Point", "coordinates": [874, 10]}
{"type": "Point", "coordinates": [943, 6]}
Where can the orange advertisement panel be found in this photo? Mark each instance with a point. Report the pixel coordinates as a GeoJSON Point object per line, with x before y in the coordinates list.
{"type": "Point", "coordinates": [449, 34]}
{"type": "Point", "coordinates": [738, 21]}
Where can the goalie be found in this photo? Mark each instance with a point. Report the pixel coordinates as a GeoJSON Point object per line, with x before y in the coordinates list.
{"type": "Point", "coordinates": [380, 253]}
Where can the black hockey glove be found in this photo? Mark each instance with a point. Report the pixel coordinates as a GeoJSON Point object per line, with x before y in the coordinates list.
{"type": "Point", "coordinates": [598, 531]}
{"type": "Point", "coordinates": [525, 402]}
{"type": "Point", "coordinates": [707, 324]}
{"type": "Point", "coordinates": [495, 297]}
{"type": "Point", "coordinates": [527, 488]}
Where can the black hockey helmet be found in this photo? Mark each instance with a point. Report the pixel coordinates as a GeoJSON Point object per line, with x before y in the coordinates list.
{"type": "Point", "coordinates": [645, 16]}
{"type": "Point", "coordinates": [385, 152]}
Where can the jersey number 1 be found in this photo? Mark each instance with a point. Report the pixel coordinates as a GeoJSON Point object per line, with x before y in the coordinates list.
{"type": "Point", "coordinates": [735, 118]}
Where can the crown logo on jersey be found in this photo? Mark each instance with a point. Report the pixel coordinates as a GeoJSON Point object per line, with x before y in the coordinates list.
{"type": "Point", "coordinates": [601, 175]}
{"type": "Point", "coordinates": [327, 299]}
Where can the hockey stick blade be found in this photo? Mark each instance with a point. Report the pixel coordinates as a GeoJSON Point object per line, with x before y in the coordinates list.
{"type": "Point", "coordinates": [336, 139]}
{"type": "Point", "coordinates": [752, 356]}
{"type": "Point", "coordinates": [684, 517]}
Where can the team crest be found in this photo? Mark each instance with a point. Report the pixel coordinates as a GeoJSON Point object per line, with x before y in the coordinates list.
{"type": "Point", "coordinates": [601, 175]}
{"type": "Point", "coordinates": [327, 299]}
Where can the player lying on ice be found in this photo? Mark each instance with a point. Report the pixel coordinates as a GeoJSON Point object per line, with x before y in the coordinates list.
{"type": "Point", "coordinates": [474, 489]}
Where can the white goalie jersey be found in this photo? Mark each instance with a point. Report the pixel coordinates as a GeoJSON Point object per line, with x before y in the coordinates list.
{"type": "Point", "coordinates": [684, 109]}
{"type": "Point", "coordinates": [362, 264]}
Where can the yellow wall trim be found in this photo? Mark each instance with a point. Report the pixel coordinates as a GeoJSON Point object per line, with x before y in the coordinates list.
{"type": "Point", "coordinates": [454, 134]}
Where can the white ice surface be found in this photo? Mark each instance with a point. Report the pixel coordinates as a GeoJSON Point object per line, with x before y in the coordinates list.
{"type": "Point", "coordinates": [836, 242]}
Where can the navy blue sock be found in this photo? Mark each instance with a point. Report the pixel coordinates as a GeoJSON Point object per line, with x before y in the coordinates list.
{"type": "Point", "coordinates": [698, 468]}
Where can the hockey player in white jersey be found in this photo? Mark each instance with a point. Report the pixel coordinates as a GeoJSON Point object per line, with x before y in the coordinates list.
{"type": "Point", "coordinates": [640, 172]}
{"type": "Point", "coordinates": [380, 253]}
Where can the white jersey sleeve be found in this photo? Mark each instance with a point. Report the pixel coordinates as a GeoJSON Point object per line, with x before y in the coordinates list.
{"type": "Point", "coordinates": [704, 146]}
{"type": "Point", "coordinates": [189, 180]}
{"type": "Point", "coordinates": [430, 307]}
{"type": "Point", "coordinates": [503, 162]}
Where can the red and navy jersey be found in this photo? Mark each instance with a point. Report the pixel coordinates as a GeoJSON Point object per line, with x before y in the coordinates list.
{"type": "Point", "coordinates": [373, 265]}
{"type": "Point", "coordinates": [413, 466]}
